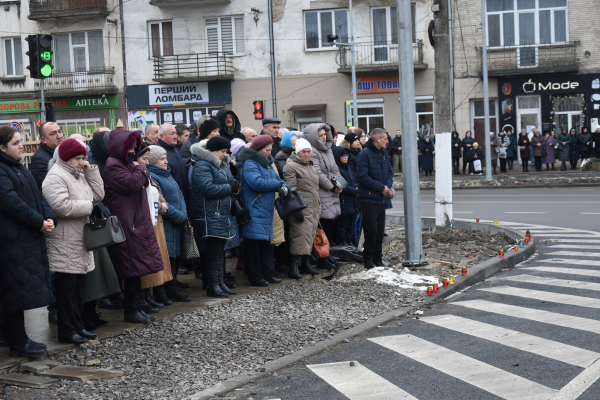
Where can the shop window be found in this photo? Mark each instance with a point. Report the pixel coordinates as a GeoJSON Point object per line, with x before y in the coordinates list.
{"type": "Point", "coordinates": [225, 35]}
{"type": "Point", "coordinates": [78, 51]}
{"type": "Point", "coordinates": [13, 57]}
{"type": "Point", "coordinates": [319, 24]}
{"type": "Point", "coordinates": [526, 22]}
{"type": "Point", "coordinates": [161, 38]}
{"type": "Point", "coordinates": [568, 110]}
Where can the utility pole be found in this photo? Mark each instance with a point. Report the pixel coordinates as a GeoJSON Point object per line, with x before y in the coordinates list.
{"type": "Point", "coordinates": [413, 255]}
{"type": "Point", "coordinates": [272, 44]}
{"type": "Point", "coordinates": [486, 96]}
{"type": "Point", "coordinates": [42, 104]}
{"type": "Point", "coordinates": [443, 79]}
{"type": "Point", "coordinates": [353, 56]}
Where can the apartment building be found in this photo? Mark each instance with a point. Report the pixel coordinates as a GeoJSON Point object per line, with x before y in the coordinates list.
{"type": "Point", "coordinates": [190, 57]}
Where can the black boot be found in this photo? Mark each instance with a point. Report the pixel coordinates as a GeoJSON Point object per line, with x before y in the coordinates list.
{"type": "Point", "coordinates": [29, 351]}
{"type": "Point", "coordinates": [85, 334]}
{"type": "Point", "coordinates": [368, 262]}
{"type": "Point", "coordinates": [135, 318]}
{"type": "Point", "coordinates": [553, 169]}
{"type": "Point", "coordinates": [294, 272]}
{"type": "Point", "coordinates": [222, 284]}
{"type": "Point", "coordinates": [306, 268]}
{"type": "Point", "coordinates": [112, 302]}
{"type": "Point", "coordinates": [150, 301]}
{"type": "Point", "coordinates": [91, 321]}
{"type": "Point", "coordinates": [334, 261]}
{"type": "Point", "coordinates": [143, 314]}
{"type": "Point", "coordinates": [174, 294]}
{"type": "Point", "coordinates": [378, 262]}
{"type": "Point", "coordinates": [214, 289]}
{"type": "Point", "coordinates": [160, 295]}
{"type": "Point", "coordinates": [323, 263]}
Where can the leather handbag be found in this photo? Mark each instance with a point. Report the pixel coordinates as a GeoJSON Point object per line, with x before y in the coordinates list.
{"type": "Point", "coordinates": [189, 250]}
{"type": "Point", "coordinates": [102, 232]}
{"type": "Point", "coordinates": [239, 211]}
{"type": "Point", "coordinates": [290, 204]}
{"type": "Point", "coordinates": [339, 182]}
{"type": "Point", "coordinates": [321, 244]}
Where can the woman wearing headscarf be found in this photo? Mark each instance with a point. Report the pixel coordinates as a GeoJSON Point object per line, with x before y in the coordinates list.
{"type": "Point", "coordinates": [564, 142]}
{"type": "Point", "coordinates": [549, 143]}
{"type": "Point", "coordinates": [287, 147]}
{"type": "Point", "coordinates": [25, 217]}
{"type": "Point", "coordinates": [213, 186]}
{"type": "Point", "coordinates": [259, 183]}
{"type": "Point", "coordinates": [173, 219]}
{"type": "Point", "coordinates": [320, 138]}
{"type": "Point", "coordinates": [71, 188]}
{"type": "Point", "coordinates": [427, 150]}
{"type": "Point", "coordinates": [523, 143]}
{"type": "Point", "coordinates": [538, 142]}
{"type": "Point", "coordinates": [349, 203]}
{"type": "Point", "coordinates": [475, 153]}
{"type": "Point", "coordinates": [127, 199]}
{"type": "Point", "coordinates": [467, 145]}
{"type": "Point", "coordinates": [456, 153]}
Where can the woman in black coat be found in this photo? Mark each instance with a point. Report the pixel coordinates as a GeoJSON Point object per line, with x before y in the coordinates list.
{"type": "Point", "coordinates": [573, 148]}
{"type": "Point", "coordinates": [475, 153]}
{"type": "Point", "coordinates": [24, 217]}
{"type": "Point", "coordinates": [525, 153]}
{"type": "Point", "coordinates": [456, 153]}
{"type": "Point", "coordinates": [585, 144]}
{"type": "Point", "coordinates": [427, 151]}
{"type": "Point", "coordinates": [467, 144]}
{"type": "Point", "coordinates": [349, 202]}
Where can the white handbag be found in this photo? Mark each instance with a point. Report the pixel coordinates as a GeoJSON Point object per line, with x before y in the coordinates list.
{"type": "Point", "coordinates": [153, 203]}
{"type": "Point", "coordinates": [477, 165]}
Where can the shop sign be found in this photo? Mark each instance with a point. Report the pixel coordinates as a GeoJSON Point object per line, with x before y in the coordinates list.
{"type": "Point", "coordinates": [378, 84]}
{"type": "Point", "coordinates": [84, 103]}
{"type": "Point", "coordinates": [531, 87]}
{"type": "Point", "coordinates": [178, 94]}
{"type": "Point", "coordinates": [18, 106]}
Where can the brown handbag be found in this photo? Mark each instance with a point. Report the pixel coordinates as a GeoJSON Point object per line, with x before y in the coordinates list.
{"type": "Point", "coordinates": [321, 244]}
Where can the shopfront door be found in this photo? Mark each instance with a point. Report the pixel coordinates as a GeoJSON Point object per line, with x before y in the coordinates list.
{"type": "Point", "coordinates": [528, 113]}
{"type": "Point", "coordinates": [568, 111]}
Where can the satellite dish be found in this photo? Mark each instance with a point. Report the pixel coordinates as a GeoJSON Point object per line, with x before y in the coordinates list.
{"type": "Point", "coordinates": [430, 32]}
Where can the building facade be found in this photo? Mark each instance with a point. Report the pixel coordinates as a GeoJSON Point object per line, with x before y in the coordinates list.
{"type": "Point", "coordinates": [87, 85]}
{"type": "Point", "coordinates": [543, 64]}
{"type": "Point", "coordinates": [219, 52]}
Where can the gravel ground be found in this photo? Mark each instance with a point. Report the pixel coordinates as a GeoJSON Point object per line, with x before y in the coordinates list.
{"type": "Point", "coordinates": [182, 356]}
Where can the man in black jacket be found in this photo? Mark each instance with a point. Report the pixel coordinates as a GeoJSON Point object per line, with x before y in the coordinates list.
{"type": "Point", "coordinates": [271, 128]}
{"type": "Point", "coordinates": [50, 137]}
{"type": "Point", "coordinates": [397, 151]}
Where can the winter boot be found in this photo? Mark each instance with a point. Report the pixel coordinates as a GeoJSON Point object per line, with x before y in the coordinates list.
{"type": "Point", "coordinates": [174, 294]}
{"type": "Point", "coordinates": [294, 273]}
{"type": "Point", "coordinates": [306, 268]}
{"type": "Point", "coordinates": [368, 262]}
{"type": "Point", "coordinates": [224, 287]}
{"type": "Point", "coordinates": [323, 263]}
{"type": "Point", "coordinates": [150, 301]}
{"type": "Point", "coordinates": [553, 169]}
{"type": "Point", "coordinates": [378, 261]}
{"type": "Point", "coordinates": [160, 295]}
{"type": "Point", "coordinates": [214, 289]}
{"type": "Point", "coordinates": [334, 261]}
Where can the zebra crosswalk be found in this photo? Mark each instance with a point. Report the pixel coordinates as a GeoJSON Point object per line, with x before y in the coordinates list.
{"type": "Point", "coordinates": [542, 294]}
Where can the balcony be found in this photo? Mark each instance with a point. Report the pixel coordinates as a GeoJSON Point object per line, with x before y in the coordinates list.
{"type": "Point", "coordinates": [91, 82]}
{"type": "Point", "coordinates": [377, 58]}
{"type": "Point", "coordinates": [171, 3]}
{"type": "Point", "coordinates": [48, 9]}
{"type": "Point", "coordinates": [532, 59]}
{"type": "Point", "coordinates": [183, 67]}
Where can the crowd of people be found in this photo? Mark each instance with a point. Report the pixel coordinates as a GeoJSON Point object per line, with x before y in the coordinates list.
{"type": "Point", "coordinates": [160, 184]}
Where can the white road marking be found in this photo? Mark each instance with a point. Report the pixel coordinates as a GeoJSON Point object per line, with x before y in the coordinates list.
{"type": "Point", "coordinates": [580, 384]}
{"type": "Point", "coordinates": [358, 382]}
{"type": "Point", "coordinates": [574, 246]}
{"type": "Point", "coordinates": [472, 371]}
{"type": "Point", "coordinates": [571, 284]}
{"type": "Point", "coordinates": [569, 234]}
{"type": "Point", "coordinates": [590, 263]}
{"type": "Point", "coordinates": [546, 296]}
{"type": "Point", "coordinates": [582, 240]}
{"type": "Point", "coordinates": [589, 213]}
{"type": "Point", "coordinates": [518, 340]}
{"type": "Point", "coordinates": [573, 253]}
{"type": "Point", "coordinates": [565, 270]}
{"type": "Point", "coordinates": [546, 317]}
{"type": "Point", "coordinates": [523, 212]}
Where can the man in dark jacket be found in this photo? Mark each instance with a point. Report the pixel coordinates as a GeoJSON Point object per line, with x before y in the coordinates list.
{"type": "Point", "coordinates": [151, 134]}
{"type": "Point", "coordinates": [271, 128]}
{"type": "Point", "coordinates": [375, 176]}
{"type": "Point", "coordinates": [230, 124]}
{"type": "Point", "coordinates": [397, 151]}
{"type": "Point", "coordinates": [50, 137]}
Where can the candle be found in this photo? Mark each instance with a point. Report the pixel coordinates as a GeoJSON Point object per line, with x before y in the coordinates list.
{"type": "Point", "coordinates": [429, 291]}
{"type": "Point", "coordinates": [495, 222]}
{"type": "Point", "coordinates": [477, 219]}
{"type": "Point", "coordinates": [516, 247]}
{"type": "Point", "coordinates": [452, 280]}
{"type": "Point", "coordinates": [526, 240]}
{"type": "Point", "coordinates": [445, 282]}
{"type": "Point", "coordinates": [521, 243]}
{"type": "Point", "coordinates": [436, 288]}
{"type": "Point", "coordinates": [464, 270]}
{"type": "Point", "coordinates": [501, 253]}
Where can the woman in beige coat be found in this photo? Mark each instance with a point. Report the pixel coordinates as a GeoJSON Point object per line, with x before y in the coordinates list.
{"type": "Point", "coordinates": [300, 174]}
{"type": "Point", "coordinates": [71, 187]}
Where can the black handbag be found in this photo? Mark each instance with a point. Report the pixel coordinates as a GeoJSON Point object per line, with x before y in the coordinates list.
{"type": "Point", "coordinates": [239, 211]}
{"type": "Point", "coordinates": [339, 182]}
{"type": "Point", "coordinates": [190, 249]}
{"type": "Point", "coordinates": [290, 204]}
{"type": "Point", "coordinates": [102, 232]}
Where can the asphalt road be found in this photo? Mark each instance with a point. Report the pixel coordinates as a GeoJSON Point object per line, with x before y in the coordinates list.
{"type": "Point", "coordinates": [530, 332]}
{"type": "Point", "coordinates": [577, 208]}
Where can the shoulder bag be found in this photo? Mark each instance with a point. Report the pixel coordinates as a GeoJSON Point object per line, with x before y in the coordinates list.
{"type": "Point", "coordinates": [102, 230]}
{"type": "Point", "coordinates": [239, 211]}
{"type": "Point", "coordinates": [290, 204]}
{"type": "Point", "coordinates": [321, 244]}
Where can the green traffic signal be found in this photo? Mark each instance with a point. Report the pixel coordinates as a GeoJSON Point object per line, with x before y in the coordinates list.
{"type": "Point", "coordinates": [46, 55]}
{"type": "Point", "coordinates": [46, 70]}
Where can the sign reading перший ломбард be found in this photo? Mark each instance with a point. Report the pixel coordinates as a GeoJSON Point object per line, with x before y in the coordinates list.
{"type": "Point", "coordinates": [178, 94]}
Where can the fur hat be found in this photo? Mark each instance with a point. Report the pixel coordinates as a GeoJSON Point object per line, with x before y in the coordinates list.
{"type": "Point", "coordinates": [207, 127]}
{"type": "Point", "coordinates": [261, 142]}
{"type": "Point", "coordinates": [156, 152]}
{"type": "Point", "coordinates": [217, 143]}
{"type": "Point", "coordinates": [71, 148]}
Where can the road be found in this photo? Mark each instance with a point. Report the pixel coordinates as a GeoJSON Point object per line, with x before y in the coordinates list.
{"type": "Point", "coordinates": [530, 332]}
{"type": "Point", "coordinates": [577, 208]}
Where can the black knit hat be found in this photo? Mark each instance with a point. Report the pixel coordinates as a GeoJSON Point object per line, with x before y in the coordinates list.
{"type": "Point", "coordinates": [217, 143]}
{"type": "Point", "coordinates": [350, 137]}
{"type": "Point", "coordinates": [207, 127]}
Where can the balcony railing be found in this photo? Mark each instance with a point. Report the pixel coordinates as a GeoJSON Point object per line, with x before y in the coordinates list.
{"type": "Point", "coordinates": [378, 57]}
{"type": "Point", "coordinates": [47, 9]}
{"type": "Point", "coordinates": [92, 81]}
{"type": "Point", "coordinates": [171, 3]}
{"type": "Point", "coordinates": [182, 67]}
{"type": "Point", "coordinates": [531, 59]}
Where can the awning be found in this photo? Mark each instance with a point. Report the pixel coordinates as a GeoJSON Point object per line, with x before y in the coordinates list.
{"type": "Point", "coordinates": [307, 107]}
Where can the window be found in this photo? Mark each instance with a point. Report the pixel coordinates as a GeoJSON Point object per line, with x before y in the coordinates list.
{"type": "Point", "coordinates": [86, 125]}
{"type": "Point", "coordinates": [478, 120]}
{"type": "Point", "coordinates": [161, 38]}
{"type": "Point", "coordinates": [319, 24]}
{"type": "Point", "coordinates": [78, 51]}
{"type": "Point", "coordinates": [370, 114]}
{"type": "Point", "coordinates": [225, 35]}
{"type": "Point", "coordinates": [526, 22]}
{"type": "Point", "coordinates": [424, 107]}
{"type": "Point", "coordinates": [13, 57]}
{"type": "Point", "coordinates": [385, 32]}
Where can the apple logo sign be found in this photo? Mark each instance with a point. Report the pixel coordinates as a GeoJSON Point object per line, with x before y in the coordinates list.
{"type": "Point", "coordinates": [529, 87]}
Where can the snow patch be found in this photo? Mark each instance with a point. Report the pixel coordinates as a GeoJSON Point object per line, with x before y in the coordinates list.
{"type": "Point", "coordinates": [389, 276]}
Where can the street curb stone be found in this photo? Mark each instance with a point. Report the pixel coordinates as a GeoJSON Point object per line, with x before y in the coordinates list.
{"type": "Point", "coordinates": [475, 274]}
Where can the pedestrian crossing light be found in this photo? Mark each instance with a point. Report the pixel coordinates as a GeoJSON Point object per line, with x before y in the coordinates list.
{"type": "Point", "coordinates": [258, 109]}
{"type": "Point", "coordinates": [45, 51]}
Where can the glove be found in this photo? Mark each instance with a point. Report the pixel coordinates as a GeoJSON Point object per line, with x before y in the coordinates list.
{"type": "Point", "coordinates": [299, 217]}
{"type": "Point", "coordinates": [235, 186]}
{"type": "Point", "coordinates": [284, 191]}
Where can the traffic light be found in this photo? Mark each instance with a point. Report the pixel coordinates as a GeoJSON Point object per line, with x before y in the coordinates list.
{"type": "Point", "coordinates": [40, 56]}
{"type": "Point", "coordinates": [258, 109]}
{"type": "Point", "coordinates": [49, 112]}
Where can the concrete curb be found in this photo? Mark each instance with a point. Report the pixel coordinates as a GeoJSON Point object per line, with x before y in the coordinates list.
{"type": "Point", "coordinates": [475, 274]}
{"type": "Point", "coordinates": [574, 185]}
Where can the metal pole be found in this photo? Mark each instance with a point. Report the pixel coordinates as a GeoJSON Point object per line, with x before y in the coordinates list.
{"type": "Point", "coordinates": [272, 43]}
{"type": "Point", "coordinates": [42, 104]}
{"type": "Point", "coordinates": [353, 57]}
{"type": "Point", "coordinates": [451, 65]}
{"type": "Point", "coordinates": [486, 96]}
{"type": "Point", "coordinates": [408, 122]}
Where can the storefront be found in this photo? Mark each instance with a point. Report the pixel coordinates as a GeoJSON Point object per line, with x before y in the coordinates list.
{"type": "Point", "coordinates": [550, 102]}
{"type": "Point", "coordinates": [175, 103]}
